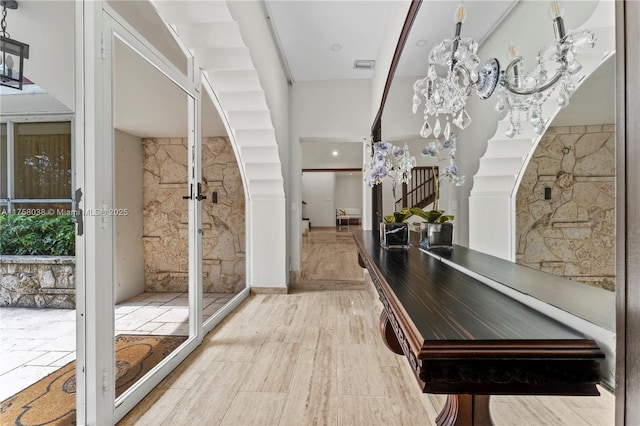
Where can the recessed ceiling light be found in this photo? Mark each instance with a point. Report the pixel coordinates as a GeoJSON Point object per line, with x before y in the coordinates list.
{"type": "Point", "coordinates": [336, 47]}
{"type": "Point", "coordinates": [335, 153]}
{"type": "Point", "coordinates": [363, 64]}
{"type": "Point", "coordinates": [421, 43]}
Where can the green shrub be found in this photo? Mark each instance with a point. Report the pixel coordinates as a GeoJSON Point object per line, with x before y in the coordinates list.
{"type": "Point", "coordinates": [37, 235]}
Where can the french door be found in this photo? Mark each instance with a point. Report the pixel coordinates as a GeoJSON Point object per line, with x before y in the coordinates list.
{"type": "Point", "coordinates": [142, 223]}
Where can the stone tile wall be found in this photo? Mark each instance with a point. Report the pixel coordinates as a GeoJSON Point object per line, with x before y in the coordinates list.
{"type": "Point", "coordinates": [38, 281]}
{"type": "Point", "coordinates": [165, 238]}
{"type": "Point", "coordinates": [573, 233]}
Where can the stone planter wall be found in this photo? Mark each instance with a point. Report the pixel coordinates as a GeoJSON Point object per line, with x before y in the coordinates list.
{"type": "Point", "coordinates": [165, 216]}
{"type": "Point", "coordinates": [38, 281]}
{"type": "Point", "coordinates": [572, 234]}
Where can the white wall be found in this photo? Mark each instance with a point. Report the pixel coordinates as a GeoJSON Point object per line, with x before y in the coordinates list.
{"type": "Point", "coordinates": [318, 193]}
{"type": "Point", "coordinates": [129, 257]}
{"type": "Point", "coordinates": [268, 254]}
{"type": "Point", "coordinates": [399, 123]}
{"type": "Point", "coordinates": [348, 191]}
{"type": "Point", "coordinates": [387, 48]}
{"type": "Point", "coordinates": [331, 109]}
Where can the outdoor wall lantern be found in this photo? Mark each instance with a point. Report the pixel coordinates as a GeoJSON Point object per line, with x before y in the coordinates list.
{"type": "Point", "coordinates": [12, 52]}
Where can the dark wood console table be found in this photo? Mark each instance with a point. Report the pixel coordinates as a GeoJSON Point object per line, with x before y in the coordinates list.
{"type": "Point", "coordinates": [469, 341]}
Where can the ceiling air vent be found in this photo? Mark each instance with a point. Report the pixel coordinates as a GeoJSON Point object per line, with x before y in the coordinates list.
{"type": "Point", "coordinates": [363, 64]}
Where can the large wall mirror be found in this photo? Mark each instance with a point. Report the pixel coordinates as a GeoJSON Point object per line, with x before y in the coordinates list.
{"type": "Point", "coordinates": [563, 193]}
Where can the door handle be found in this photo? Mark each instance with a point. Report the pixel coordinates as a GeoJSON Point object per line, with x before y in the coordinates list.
{"type": "Point", "coordinates": [78, 213]}
{"type": "Point", "coordinates": [200, 197]}
{"type": "Point", "coordinates": [190, 196]}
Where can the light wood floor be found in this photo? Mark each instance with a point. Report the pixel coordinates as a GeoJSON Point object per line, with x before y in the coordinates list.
{"type": "Point", "coordinates": [314, 356]}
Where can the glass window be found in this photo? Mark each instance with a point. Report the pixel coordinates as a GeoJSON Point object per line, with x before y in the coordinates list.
{"type": "Point", "coordinates": [42, 161]}
{"type": "Point", "coordinates": [3, 162]}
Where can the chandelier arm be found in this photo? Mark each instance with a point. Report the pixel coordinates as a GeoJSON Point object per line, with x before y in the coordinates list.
{"type": "Point", "coordinates": [3, 23]}
{"type": "Point", "coordinates": [557, 76]}
{"type": "Point", "coordinates": [456, 44]}
{"type": "Point", "coordinates": [467, 89]}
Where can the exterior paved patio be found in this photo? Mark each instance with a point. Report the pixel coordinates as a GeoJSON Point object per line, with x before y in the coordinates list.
{"type": "Point", "coordinates": [36, 342]}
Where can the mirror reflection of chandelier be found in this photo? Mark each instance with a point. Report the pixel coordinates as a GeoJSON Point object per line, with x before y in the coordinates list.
{"type": "Point", "coordinates": [524, 94]}
{"type": "Point", "coordinates": [451, 73]}
{"type": "Point", "coordinates": [454, 72]}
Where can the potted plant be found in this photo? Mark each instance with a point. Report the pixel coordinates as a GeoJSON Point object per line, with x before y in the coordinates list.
{"type": "Point", "coordinates": [394, 231]}
{"type": "Point", "coordinates": [388, 160]}
{"type": "Point", "coordinates": [438, 230]}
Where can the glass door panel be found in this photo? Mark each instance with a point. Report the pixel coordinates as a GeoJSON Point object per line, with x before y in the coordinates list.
{"type": "Point", "coordinates": [151, 240]}
{"type": "Point", "coordinates": [223, 216]}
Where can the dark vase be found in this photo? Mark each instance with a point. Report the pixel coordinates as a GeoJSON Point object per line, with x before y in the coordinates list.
{"type": "Point", "coordinates": [437, 236]}
{"type": "Point", "coordinates": [394, 235]}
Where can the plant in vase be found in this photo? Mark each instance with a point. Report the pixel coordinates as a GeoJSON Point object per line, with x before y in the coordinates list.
{"type": "Point", "coordinates": [388, 160]}
{"type": "Point", "coordinates": [438, 230]}
{"type": "Point", "coordinates": [394, 230]}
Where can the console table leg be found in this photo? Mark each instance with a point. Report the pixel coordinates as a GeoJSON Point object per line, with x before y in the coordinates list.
{"type": "Point", "coordinates": [465, 410]}
{"type": "Point", "coordinates": [388, 335]}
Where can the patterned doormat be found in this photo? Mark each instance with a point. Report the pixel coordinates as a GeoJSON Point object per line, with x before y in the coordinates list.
{"type": "Point", "coordinates": [52, 400]}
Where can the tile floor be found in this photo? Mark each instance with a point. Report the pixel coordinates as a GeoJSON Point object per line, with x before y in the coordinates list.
{"type": "Point", "coordinates": [36, 342]}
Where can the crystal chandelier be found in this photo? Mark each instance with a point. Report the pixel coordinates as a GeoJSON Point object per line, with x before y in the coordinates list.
{"type": "Point", "coordinates": [524, 94]}
{"type": "Point", "coordinates": [454, 72]}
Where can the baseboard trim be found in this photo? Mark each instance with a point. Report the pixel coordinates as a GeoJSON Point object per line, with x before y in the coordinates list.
{"type": "Point", "coordinates": [294, 279]}
{"type": "Point", "coordinates": [269, 290]}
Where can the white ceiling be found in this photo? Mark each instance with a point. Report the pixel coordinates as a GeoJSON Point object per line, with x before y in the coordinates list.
{"type": "Point", "coordinates": [307, 30]}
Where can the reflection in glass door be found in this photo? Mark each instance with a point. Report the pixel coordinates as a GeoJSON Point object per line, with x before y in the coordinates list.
{"type": "Point", "coordinates": [152, 192]}
{"type": "Point", "coordinates": [223, 220]}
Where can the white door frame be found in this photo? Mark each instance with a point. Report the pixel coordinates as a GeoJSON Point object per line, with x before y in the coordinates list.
{"type": "Point", "coordinates": [96, 402]}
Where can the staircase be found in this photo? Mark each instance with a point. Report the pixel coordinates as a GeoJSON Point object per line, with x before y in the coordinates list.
{"type": "Point", "coordinates": [496, 183]}
{"type": "Point", "coordinates": [421, 189]}
{"type": "Point", "coordinates": [209, 31]}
